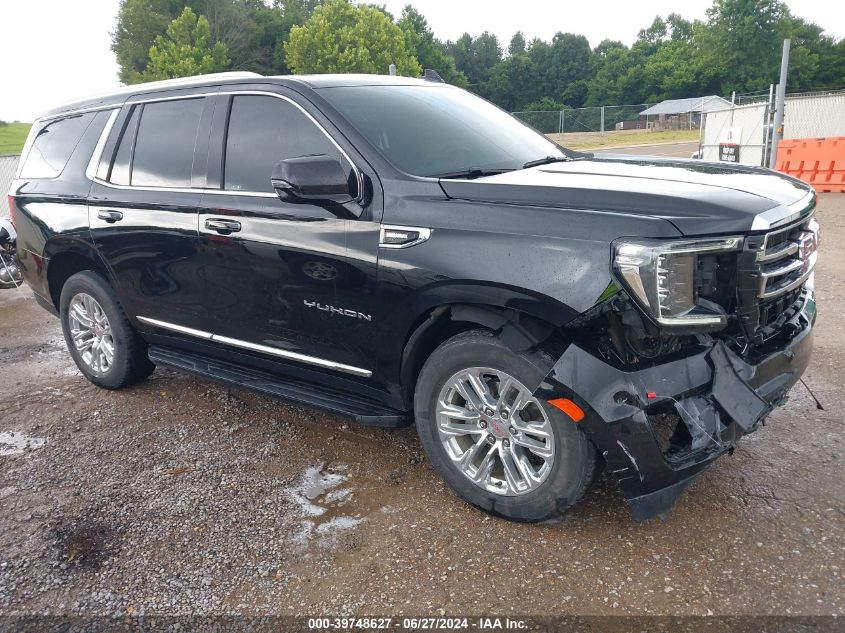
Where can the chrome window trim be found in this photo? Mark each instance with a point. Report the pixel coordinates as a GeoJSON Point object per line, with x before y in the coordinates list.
{"type": "Point", "coordinates": [98, 150]}
{"type": "Point", "coordinates": [266, 349]}
{"type": "Point", "coordinates": [60, 115]}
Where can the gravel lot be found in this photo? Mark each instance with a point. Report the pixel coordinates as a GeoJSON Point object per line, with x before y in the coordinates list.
{"type": "Point", "coordinates": [179, 496]}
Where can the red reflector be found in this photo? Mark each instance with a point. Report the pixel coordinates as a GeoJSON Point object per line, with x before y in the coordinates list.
{"type": "Point", "coordinates": [651, 395]}
{"type": "Point", "coordinates": [569, 408]}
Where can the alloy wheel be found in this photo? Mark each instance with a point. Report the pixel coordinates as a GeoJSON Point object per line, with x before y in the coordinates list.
{"type": "Point", "coordinates": [91, 332]}
{"type": "Point", "coordinates": [494, 431]}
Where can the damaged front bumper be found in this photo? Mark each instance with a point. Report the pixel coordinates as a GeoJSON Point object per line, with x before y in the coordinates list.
{"type": "Point", "coordinates": [659, 426]}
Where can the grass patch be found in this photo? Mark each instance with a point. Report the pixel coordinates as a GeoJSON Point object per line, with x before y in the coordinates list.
{"type": "Point", "coordinates": [12, 137]}
{"type": "Point", "coordinates": [597, 140]}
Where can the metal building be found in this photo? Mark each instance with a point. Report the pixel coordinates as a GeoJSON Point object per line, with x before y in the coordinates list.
{"type": "Point", "coordinates": [680, 114]}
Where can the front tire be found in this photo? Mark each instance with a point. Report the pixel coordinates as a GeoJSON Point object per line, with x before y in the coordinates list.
{"type": "Point", "coordinates": [104, 345]}
{"type": "Point", "coordinates": [495, 445]}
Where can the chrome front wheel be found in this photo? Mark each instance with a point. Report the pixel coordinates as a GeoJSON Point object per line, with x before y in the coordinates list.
{"type": "Point", "coordinates": [494, 431]}
{"type": "Point", "coordinates": [91, 332]}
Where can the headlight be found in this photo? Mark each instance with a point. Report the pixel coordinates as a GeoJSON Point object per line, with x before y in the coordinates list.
{"type": "Point", "coordinates": [660, 276]}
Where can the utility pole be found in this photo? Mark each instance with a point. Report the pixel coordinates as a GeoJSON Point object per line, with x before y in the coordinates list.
{"type": "Point", "coordinates": [767, 136]}
{"type": "Point", "coordinates": [780, 101]}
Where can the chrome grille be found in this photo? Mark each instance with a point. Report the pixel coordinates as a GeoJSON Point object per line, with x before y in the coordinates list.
{"type": "Point", "coordinates": [787, 258]}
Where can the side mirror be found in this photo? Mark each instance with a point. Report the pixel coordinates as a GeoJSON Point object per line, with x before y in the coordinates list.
{"type": "Point", "coordinates": [313, 179]}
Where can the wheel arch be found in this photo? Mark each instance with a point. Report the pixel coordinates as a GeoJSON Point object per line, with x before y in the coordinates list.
{"type": "Point", "coordinates": [522, 321]}
{"type": "Point", "coordinates": [66, 257]}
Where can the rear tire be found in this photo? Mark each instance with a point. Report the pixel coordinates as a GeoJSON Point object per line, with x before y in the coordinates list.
{"type": "Point", "coordinates": [105, 347]}
{"type": "Point", "coordinates": [548, 482]}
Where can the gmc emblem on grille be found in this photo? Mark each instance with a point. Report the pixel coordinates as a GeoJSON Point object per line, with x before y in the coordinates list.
{"type": "Point", "coordinates": [809, 244]}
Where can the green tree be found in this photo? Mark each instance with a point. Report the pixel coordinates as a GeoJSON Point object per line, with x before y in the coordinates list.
{"type": "Point", "coordinates": [185, 50]}
{"type": "Point", "coordinates": [514, 82]}
{"type": "Point", "coordinates": [655, 34]}
{"type": "Point", "coordinates": [476, 57]}
{"type": "Point", "coordinates": [252, 31]}
{"type": "Point", "coordinates": [545, 104]}
{"type": "Point", "coordinates": [139, 22]}
{"type": "Point", "coordinates": [679, 28]}
{"type": "Point", "coordinates": [563, 65]}
{"type": "Point", "coordinates": [429, 51]}
{"type": "Point", "coordinates": [518, 44]}
{"type": "Point", "coordinates": [342, 37]}
{"type": "Point", "coordinates": [743, 42]}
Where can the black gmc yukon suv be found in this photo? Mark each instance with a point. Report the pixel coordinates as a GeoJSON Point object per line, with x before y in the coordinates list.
{"type": "Point", "coordinates": [399, 250]}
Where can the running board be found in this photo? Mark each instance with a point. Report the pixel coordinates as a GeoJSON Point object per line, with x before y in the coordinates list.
{"type": "Point", "coordinates": [362, 410]}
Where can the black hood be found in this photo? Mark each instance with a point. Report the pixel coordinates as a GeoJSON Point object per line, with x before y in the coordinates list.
{"type": "Point", "coordinates": [698, 198]}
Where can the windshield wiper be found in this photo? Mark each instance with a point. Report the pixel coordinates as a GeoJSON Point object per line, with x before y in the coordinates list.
{"type": "Point", "coordinates": [544, 161]}
{"type": "Point", "coordinates": [469, 174]}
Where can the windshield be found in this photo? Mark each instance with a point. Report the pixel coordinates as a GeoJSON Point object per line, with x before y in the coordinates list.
{"type": "Point", "coordinates": [439, 131]}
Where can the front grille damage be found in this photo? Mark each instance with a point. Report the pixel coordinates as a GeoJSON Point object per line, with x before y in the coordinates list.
{"type": "Point", "coordinates": [761, 288]}
{"type": "Point", "coordinates": [772, 271]}
{"type": "Point", "coordinates": [665, 403]}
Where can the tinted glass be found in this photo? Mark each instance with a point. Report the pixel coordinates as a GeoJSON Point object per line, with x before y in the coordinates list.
{"type": "Point", "coordinates": [164, 149]}
{"type": "Point", "coordinates": [262, 131]}
{"type": "Point", "coordinates": [53, 144]}
{"type": "Point", "coordinates": [435, 130]}
{"type": "Point", "coordinates": [120, 167]}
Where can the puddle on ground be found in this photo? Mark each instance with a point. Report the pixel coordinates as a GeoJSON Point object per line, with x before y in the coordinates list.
{"type": "Point", "coordinates": [15, 443]}
{"type": "Point", "coordinates": [321, 497]}
{"type": "Point", "coordinates": [57, 352]}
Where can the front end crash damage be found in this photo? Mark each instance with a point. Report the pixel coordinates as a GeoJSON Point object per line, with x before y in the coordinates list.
{"type": "Point", "coordinates": [660, 421]}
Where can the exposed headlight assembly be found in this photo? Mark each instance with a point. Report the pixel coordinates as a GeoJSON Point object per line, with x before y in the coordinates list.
{"type": "Point", "coordinates": [660, 276]}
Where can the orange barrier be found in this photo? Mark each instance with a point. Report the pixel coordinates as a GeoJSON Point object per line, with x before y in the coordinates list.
{"type": "Point", "coordinates": [817, 161]}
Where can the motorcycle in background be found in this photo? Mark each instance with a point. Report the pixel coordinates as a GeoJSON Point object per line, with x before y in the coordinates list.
{"type": "Point", "coordinates": [10, 272]}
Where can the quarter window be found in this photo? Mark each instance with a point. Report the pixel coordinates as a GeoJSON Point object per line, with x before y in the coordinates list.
{"type": "Point", "coordinates": [164, 148]}
{"type": "Point", "coordinates": [262, 131]}
{"type": "Point", "coordinates": [53, 144]}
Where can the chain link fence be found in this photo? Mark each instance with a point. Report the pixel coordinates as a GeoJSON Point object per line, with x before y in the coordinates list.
{"type": "Point", "coordinates": [593, 119]}
{"type": "Point", "coordinates": [8, 169]}
{"type": "Point", "coordinates": [746, 127]}
{"type": "Point", "coordinates": [814, 114]}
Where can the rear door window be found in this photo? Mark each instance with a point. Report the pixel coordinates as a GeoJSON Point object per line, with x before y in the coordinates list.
{"type": "Point", "coordinates": [164, 147]}
{"type": "Point", "coordinates": [53, 144]}
{"type": "Point", "coordinates": [122, 158]}
{"type": "Point", "coordinates": [262, 131]}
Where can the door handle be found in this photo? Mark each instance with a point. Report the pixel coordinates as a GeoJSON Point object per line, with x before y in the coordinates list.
{"type": "Point", "coordinates": [110, 216]}
{"type": "Point", "coordinates": [223, 226]}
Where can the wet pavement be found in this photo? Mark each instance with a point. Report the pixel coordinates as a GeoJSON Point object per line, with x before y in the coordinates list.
{"type": "Point", "coordinates": [181, 496]}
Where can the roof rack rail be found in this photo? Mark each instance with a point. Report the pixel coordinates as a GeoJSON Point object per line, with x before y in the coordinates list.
{"type": "Point", "coordinates": [187, 81]}
{"type": "Point", "coordinates": [179, 82]}
{"type": "Point", "coordinates": [432, 75]}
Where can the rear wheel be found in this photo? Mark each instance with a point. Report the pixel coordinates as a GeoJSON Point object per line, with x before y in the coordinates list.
{"type": "Point", "coordinates": [496, 445]}
{"type": "Point", "coordinates": [104, 345]}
